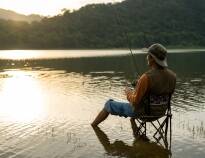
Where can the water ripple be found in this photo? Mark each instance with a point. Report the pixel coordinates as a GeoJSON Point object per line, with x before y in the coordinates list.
{"type": "Point", "coordinates": [72, 100]}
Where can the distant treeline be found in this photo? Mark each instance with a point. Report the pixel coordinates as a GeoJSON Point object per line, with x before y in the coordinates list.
{"type": "Point", "coordinates": [139, 22]}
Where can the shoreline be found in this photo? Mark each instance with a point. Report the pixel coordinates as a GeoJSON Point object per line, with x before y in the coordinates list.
{"type": "Point", "coordinates": [168, 48]}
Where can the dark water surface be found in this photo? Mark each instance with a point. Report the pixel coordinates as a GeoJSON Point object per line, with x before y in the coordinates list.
{"type": "Point", "coordinates": [49, 98]}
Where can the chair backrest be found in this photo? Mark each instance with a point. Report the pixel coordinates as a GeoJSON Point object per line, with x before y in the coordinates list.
{"type": "Point", "coordinates": [158, 105]}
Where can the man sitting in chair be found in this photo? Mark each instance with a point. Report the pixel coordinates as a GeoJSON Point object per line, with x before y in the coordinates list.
{"type": "Point", "coordinates": [158, 80]}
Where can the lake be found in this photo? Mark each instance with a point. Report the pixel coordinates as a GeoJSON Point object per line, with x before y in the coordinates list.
{"type": "Point", "coordinates": [48, 98]}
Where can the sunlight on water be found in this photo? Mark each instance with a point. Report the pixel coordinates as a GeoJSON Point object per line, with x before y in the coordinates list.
{"type": "Point", "coordinates": [18, 54]}
{"type": "Point", "coordinates": [52, 54]}
{"type": "Point", "coordinates": [56, 54]}
{"type": "Point", "coordinates": [21, 97]}
{"type": "Point", "coordinates": [47, 105]}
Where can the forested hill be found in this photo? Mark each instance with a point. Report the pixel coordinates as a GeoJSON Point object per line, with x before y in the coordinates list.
{"type": "Point", "coordinates": [170, 22]}
{"type": "Point", "coordinates": [11, 15]}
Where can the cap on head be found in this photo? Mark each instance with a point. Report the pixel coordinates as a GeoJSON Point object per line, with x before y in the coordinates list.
{"type": "Point", "coordinates": [159, 54]}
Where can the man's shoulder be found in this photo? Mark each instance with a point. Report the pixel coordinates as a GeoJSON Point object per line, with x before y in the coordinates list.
{"type": "Point", "coordinates": [171, 72]}
{"type": "Point", "coordinates": [152, 73]}
{"type": "Point", "coordinates": [148, 72]}
{"type": "Point", "coordinates": [145, 78]}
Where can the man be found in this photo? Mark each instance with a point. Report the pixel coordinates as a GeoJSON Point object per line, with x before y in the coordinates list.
{"type": "Point", "coordinates": [158, 80]}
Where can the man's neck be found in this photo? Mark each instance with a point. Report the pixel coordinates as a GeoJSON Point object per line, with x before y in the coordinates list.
{"type": "Point", "coordinates": [156, 67]}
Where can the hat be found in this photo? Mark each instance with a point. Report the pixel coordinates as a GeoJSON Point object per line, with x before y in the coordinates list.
{"type": "Point", "coordinates": [159, 54]}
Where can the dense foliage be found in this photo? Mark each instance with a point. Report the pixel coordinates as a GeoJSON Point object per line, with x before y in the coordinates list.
{"type": "Point", "coordinates": [139, 22]}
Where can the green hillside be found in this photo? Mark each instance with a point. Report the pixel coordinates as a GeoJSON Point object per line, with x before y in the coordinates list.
{"type": "Point", "coordinates": [178, 23]}
{"type": "Point", "coordinates": [11, 15]}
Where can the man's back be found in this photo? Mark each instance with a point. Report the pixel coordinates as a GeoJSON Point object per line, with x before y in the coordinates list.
{"type": "Point", "coordinates": [161, 81]}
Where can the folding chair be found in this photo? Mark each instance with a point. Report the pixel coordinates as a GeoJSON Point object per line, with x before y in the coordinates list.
{"type": "Point", "coordinates": [158, 114]}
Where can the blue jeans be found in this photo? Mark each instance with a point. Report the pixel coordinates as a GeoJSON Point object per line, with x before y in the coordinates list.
{"type": "Point", "coordinates": [119, 108]}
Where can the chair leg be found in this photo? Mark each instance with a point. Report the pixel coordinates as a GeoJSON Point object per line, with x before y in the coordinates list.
{"type": "Point", "coordinates": [161, 132]}
{"type": "Point", "coordinates": [142, 128]}
{"type": "Point", "coordinates": [166, 130]}
{"type": "Point", "coordinates": [170, 132]}
{"type": "Point", "coordinates": [166, 127]}
{"type": "Point", "coordinates": [145, 129]}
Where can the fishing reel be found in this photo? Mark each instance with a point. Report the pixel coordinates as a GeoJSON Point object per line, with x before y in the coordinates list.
{"type": "Point", "coordinates": [134, 83]}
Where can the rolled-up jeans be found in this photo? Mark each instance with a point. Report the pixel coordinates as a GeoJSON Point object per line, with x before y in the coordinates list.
{"type": "Point", "coordinates": [122, 109]}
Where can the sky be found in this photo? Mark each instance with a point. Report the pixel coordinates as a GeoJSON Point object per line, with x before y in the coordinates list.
{"type": "Point", "coordinates": [46, 7]}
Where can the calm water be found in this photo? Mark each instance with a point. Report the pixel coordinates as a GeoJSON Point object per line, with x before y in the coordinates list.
{"type": "Point", "coordinates": [49, 98]}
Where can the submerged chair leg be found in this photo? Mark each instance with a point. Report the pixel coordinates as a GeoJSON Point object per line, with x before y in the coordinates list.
{"type": "Point", "coordinates": [162, 133]}
{"type": "Point", "coordinates": [162, 128]}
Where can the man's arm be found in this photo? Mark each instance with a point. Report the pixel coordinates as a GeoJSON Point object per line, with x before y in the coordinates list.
{"type": "Point", "coordinates": [135, 96]}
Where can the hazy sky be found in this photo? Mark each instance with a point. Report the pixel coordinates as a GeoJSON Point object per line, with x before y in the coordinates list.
{"type": "Point", "coordinates": [45, 7]}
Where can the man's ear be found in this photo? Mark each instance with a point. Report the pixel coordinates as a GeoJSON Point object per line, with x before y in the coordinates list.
{"type": "Point", "coordinates": [151, 59]}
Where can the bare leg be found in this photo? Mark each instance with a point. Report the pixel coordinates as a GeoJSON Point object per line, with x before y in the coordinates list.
{"type": "Point", "coordinates": [100, 117]}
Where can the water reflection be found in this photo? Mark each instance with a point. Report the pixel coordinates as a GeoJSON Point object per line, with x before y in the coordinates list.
{"type": "Point", "coordinates": [179, 62]}
{"type": "Point", "coordinates": [65, 94]}
{"type": "Point", "coordinates": [21, 97]}
{"type": "Point", "coordinates": [141, 148]}
{"type": "Point", "coordinates": [189, 94]}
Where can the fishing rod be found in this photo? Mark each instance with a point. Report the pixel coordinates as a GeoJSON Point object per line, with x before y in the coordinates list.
{"type": "Point", "coordinates": [125, 33]}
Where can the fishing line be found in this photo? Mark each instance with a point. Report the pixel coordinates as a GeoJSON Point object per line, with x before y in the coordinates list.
{"type": "Point", "coordinates": [124, 32]}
